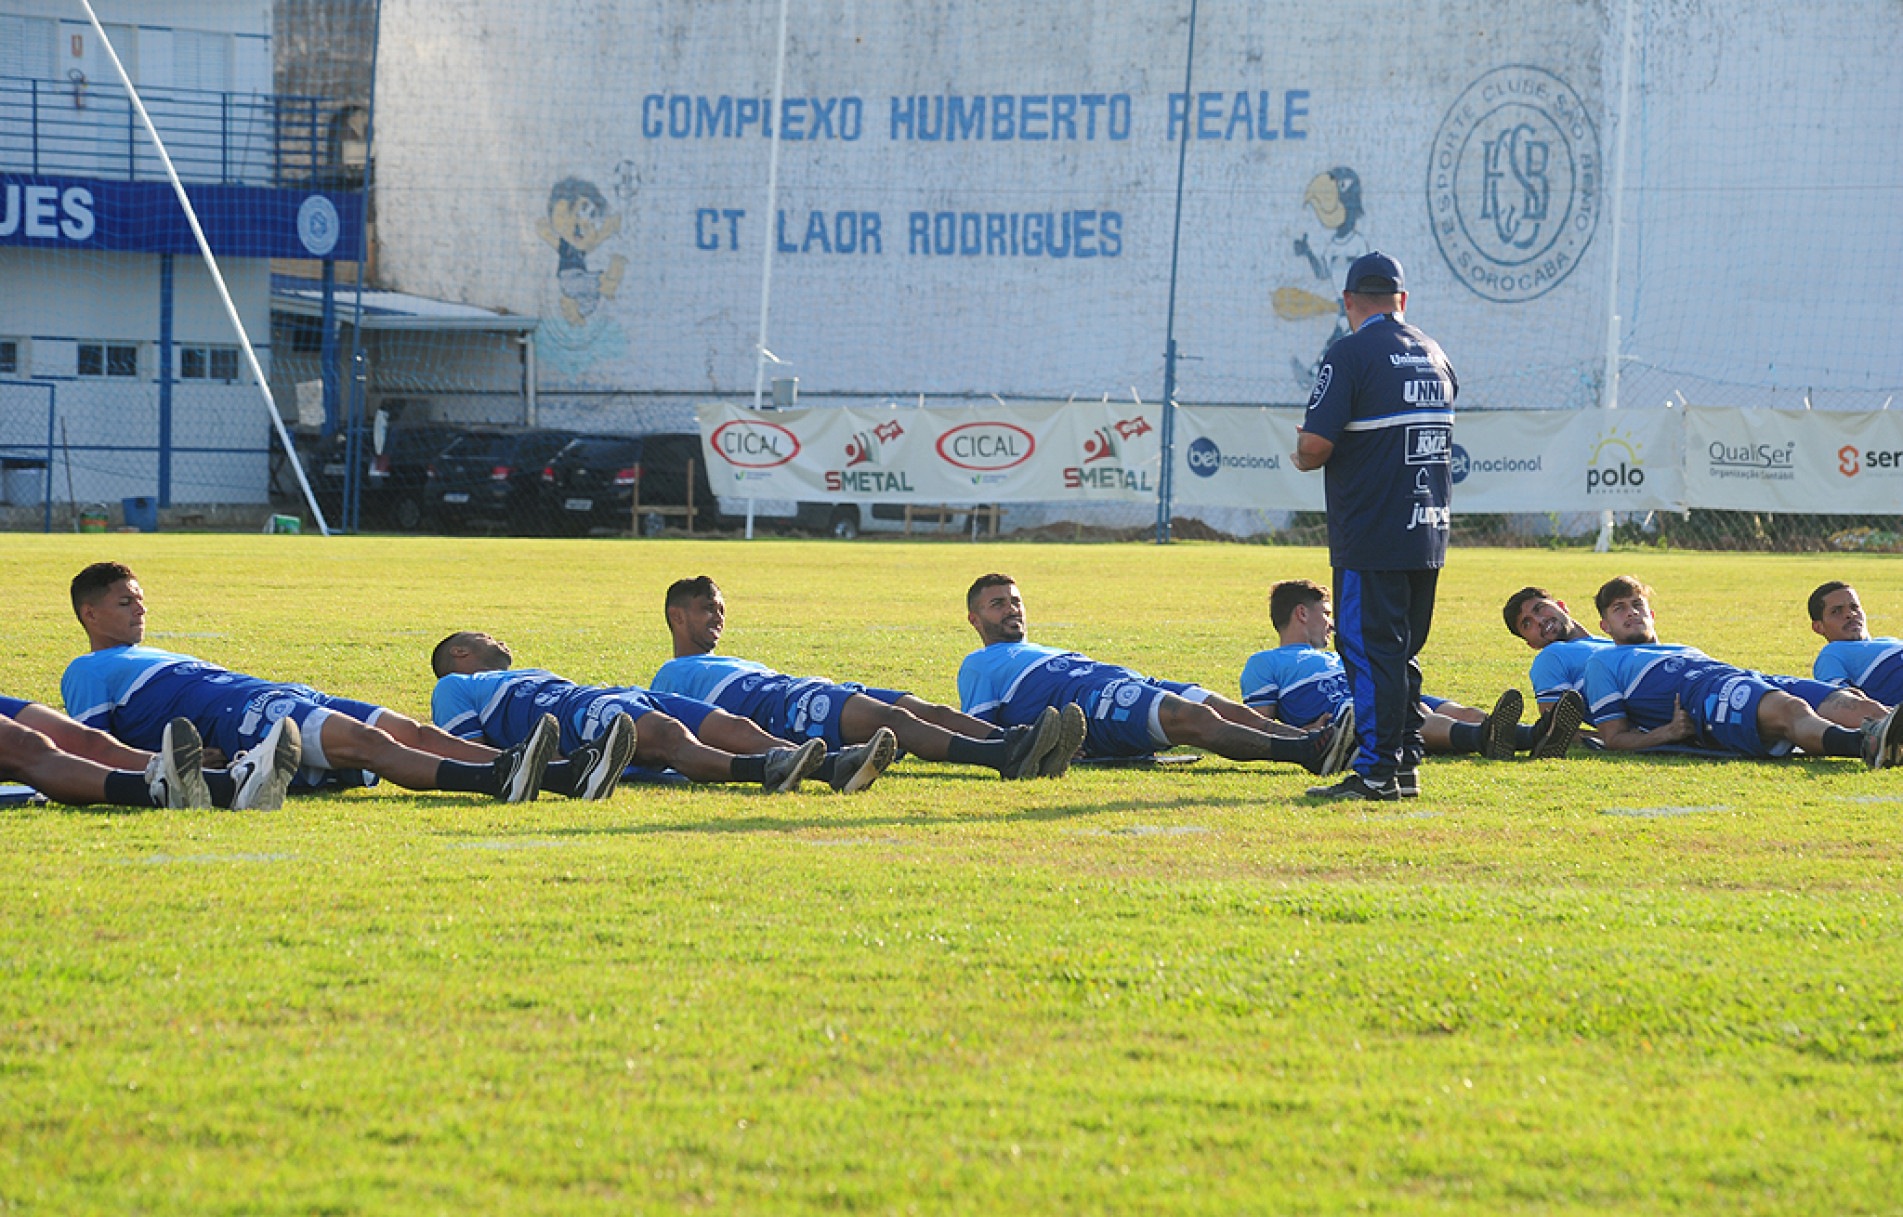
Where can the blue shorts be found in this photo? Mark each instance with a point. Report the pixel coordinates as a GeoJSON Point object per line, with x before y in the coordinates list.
{"type": "Point", "coordinates": [588, 722]}
{"type": "Point", "coordinates": [1124, 713]}
{"type": "Point", "coordinates": [1727, 717]}
{"type": "Point", "coordinates": [10, 707]}
{"type": "Point", "coordinates": [810, 709]}
{"type": "Point", "coordinates": [1813, 692]}
{"type": "Point", "coordinates": [307, 708]}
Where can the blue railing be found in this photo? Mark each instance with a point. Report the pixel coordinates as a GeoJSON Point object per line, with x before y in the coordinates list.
{"type": "Point", "coordinates": [82, 129]}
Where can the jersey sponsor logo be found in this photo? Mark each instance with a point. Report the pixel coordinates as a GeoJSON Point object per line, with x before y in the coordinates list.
{"type": "Point", "coordinates": [1323, 379]}
{"type": "Point", "coordinates": [1426, 515]}
{"type": "Point", "coordinates": [1425, 392]}
{"type": "Point", "coordinates": [1513, 183]}
{"type": "Point", "coordinates": [1429, 444]}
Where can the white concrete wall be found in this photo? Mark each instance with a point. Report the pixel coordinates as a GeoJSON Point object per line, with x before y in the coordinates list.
{"type": "Point", "coordinates": [484, 106]}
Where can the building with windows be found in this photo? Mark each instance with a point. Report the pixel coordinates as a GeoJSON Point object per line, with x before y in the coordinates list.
{"type": "Point", "coordinates": [121, 370]}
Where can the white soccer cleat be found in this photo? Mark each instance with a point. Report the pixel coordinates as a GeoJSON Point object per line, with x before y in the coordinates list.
{"type": "Point", "coordinates": [263, 774]}
{"type": "Point", "coordinates": [179, 780]}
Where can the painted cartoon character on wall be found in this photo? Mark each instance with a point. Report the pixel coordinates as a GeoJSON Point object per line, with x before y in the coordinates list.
{"type": "Point", "coordinates": [1335, 199]}
{"type": "Point", "coordinates": [578, 223]}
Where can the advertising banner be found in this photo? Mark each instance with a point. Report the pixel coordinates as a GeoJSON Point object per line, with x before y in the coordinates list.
{"type": "Point", "coordinates": [74, 213]}
{"type": "Point", "coordinates": [1804, 461]}
{"type": "Point", "coordinates": [1504, 460]}
{"type": "Point", "coordinates": [1077, 452]}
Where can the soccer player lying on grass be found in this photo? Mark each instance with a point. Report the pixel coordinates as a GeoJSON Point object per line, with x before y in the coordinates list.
{"type": "Point", "coordinates": [479, 695]}
{"type": "Point", "coordinates": [1541, 621]}
{"type": "Point", "coordinates": [75, 764]}
{"type": "Point", "coordinates": [1643, 693]}
{"type": "Point", "coordinates": [1302, 683]}
{"type": "Point", "coordinates": [133, 691]}
{"type": "Point", "coordinates": [1850, 656]}
{"type": "Point", "coordinates": [1011, 682]}
{"type": "Point", "coordinates": [798, 707]}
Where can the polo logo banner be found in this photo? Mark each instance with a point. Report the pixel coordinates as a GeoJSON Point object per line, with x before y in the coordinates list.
{"type": "Point", "coordinates": [1033, 452]}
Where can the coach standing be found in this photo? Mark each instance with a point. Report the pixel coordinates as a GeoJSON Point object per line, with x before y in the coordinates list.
{"type": "Point", "coordinates": [1381, 419]}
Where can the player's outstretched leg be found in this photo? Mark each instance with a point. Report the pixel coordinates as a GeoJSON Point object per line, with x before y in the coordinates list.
{"type": "Point", "coordinates": [262, 774]}
{"type": "Point", "coordinates": [1554, 734]}
{"type": "Point", "coordinates": [786, 768]}
{"type": "Point", "coordinates": [1883, 740]}
{"type": "Point", "coordinates": [852, 769]}
{"type": "Point", "coordinates": [1072, 726]}
{"type": "Point", "coordinates": [594, 769]}
{"type": "Point", "coordinates": [519, 770]}
{"type": "Point", "coordinates": [177, 770]}
{"type": "Point", "coordinates": [1496, 731]}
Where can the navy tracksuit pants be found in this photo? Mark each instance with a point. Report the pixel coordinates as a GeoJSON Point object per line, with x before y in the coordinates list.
{"type": "Point", "coordinates": [1381, 622]}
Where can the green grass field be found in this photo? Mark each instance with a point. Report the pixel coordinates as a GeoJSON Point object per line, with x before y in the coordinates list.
{"type": "Point", "coordinates": [1604, 985]}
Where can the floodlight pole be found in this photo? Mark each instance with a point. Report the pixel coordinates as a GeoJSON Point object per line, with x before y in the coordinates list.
{"type": "Point", "coordinates": [1609, 386]}
{"type": "Point", "coordinates": [1165, 482]}
{"type": "Point", "coordinates": [760, 354]}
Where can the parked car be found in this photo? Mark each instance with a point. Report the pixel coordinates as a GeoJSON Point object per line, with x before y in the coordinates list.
{"type": "Point", "coordinates": [393, 467]}
{"type": "Point", "coordinates": [595, 481]}
{"type": "Point", "coordinates": [492, 475]}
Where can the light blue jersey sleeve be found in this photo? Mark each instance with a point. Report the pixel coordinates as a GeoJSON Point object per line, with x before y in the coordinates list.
{"type": "Point", "coordinates": [455, 705]}
{"type": "Point", "coordinates": [1562, 666]}
{"type": "Point", "coordinates": [702, 677]}
{"type": "Point", "coordinates": [96, 683]}
{"type": "Point", "coordinates": [1837, 663]}
{"type": "Point", "coordinates": [1261, 682]}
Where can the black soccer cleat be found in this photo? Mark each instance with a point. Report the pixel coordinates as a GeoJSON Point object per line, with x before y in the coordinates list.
{"type": "Point", "coordinates": [1356, 787]}
{"type": "Point", "coordinates": [1498, 728]}
{"type": "Point", "coordinates": [1335, 745]}
{"type": "Point", "coordinates": [1556, 731]}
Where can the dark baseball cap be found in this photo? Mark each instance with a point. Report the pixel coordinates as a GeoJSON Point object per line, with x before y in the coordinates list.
{"type": "Point", "coordinates": [1376, 274]}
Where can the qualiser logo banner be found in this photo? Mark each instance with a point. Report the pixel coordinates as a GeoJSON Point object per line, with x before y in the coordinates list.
{"type": "Point", "coordinates": [1806, 461]}
{"type": "Point", "coordinates": [1040, 452]}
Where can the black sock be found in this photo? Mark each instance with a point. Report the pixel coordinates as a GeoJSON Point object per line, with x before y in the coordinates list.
{"type": "Point", "coordinates": [561, 776]}
{"type": "Point", "coordinates": [130, 790]}
{"type": "Point", "coordinates": [749, 768]}
{"type": "Point", "coordinates": [1297, 750]}
{"type": "Point", "coordinates": [988, 752]}
{"type": "Point", "coordinates": [1842, 741]}
{"type": "Point", "coordinates": [223, 789]}
{"type": "Point", "coordinates": [465, 777]}
{"type": "Point", "coordinates": [1463, 737]}
{"type": "Point", "coordinates": [1525, 735]}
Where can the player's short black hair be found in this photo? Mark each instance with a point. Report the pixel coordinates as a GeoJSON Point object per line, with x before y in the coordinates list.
{"type": "Point", "coordinates": [1290, 594]}
{"type": "Point", "coordinates": [994, 579]}
{"type": "Point", "coordinates": [1519, 600]}
{"type": "Point", "coordinates": [683, 592]}
{"type": "Point", "coordinates": [92, 583]}
{"type": "Point", "coordinates": [1618, 588]}
{"type": "Point", "coordinates": [1817, 597]}
{"type": "Point", "coordinates": [439, 657]}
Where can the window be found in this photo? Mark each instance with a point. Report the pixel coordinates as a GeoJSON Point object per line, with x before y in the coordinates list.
{"type": "Point", "coordinates": [9, 357]}
{"type": "Point", "coordinates": [116, 360]}
{"type": "Point", "coordinates": [208, 363]}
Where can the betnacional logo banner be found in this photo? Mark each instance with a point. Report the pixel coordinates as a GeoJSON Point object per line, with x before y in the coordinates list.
{"type": "Point", "coordinates": [1075, 451]}
{"type": "Point", "coordinates": [1503, 460]}
{"type": "Point", "coordinates": [1805, 461]}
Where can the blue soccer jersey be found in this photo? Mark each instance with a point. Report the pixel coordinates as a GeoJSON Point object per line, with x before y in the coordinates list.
{"type": "Point", "coordinates": [1874, 665]}
{"type": "Point", "coordinates": [1643, 683]}
{"type": "Point", "coordinates": [501, 708]}
{"type": "Point", "coordinates": [1560, 666]}
{"type": "Point", "coordinates": [790, 707]}
{"type": "Point", "coordinates": [1011, 683]}
{"type": "Point", "coordinates": [1385, 398]}
{"type": "Point", "coordinates": [1297, 684]}
{"type": "Point", "coordinates": [133, 692]}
